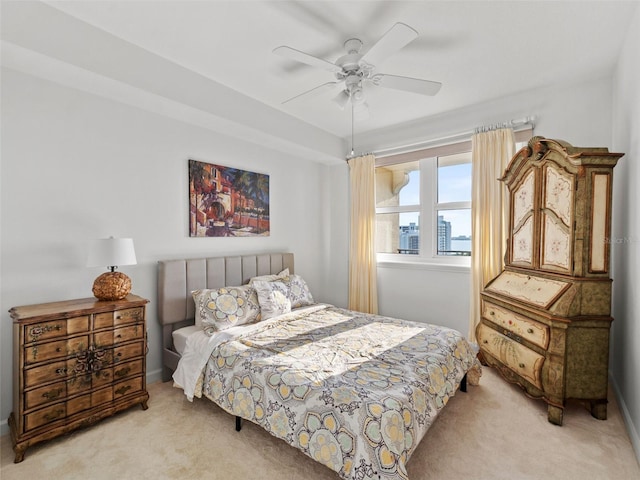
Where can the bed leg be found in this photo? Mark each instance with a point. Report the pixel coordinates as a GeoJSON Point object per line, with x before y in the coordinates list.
{"type": "Point", "coordinates": [238, 424]}
{"type": "Point", "coordinates": [463, 384]}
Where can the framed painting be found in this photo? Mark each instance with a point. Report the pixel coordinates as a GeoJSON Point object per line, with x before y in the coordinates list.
{"type": "Point", "coordinates": [227, 202]}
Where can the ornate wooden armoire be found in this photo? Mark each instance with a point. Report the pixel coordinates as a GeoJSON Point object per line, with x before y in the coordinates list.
{"type": "Point", "coordinates": [546, 318]}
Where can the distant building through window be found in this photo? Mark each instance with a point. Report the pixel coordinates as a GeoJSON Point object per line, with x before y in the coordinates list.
{"type": "Point", "coordinates": [444, 235]}
{"type": "Point", "coordinates": [409, 239]}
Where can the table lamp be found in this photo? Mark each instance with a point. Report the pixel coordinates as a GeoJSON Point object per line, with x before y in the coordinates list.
{"type": "Point", "coordinates": [111, 252]}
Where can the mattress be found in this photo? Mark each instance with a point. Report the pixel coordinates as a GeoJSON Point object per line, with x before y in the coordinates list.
{"type": "Point", "coordinates": [180, 337]}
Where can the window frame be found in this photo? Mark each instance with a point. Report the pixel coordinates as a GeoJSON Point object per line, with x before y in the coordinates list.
{"type": "Point", "coordinates": [427, 210]}
{"type": "Point", "coordinates": [433, 151]}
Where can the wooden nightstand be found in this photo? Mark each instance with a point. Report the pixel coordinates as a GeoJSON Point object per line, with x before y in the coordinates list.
{"type": "Point", "coordinates": [75, 362]}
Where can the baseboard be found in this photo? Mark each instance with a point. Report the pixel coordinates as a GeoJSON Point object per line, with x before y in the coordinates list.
{"type": "Point", "coordinates": [154, 376]}
{"type": "Point", "coordinates": [631, 429]}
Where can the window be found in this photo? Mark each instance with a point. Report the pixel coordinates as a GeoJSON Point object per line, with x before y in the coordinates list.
{"type": "Point", "coordinates": [453, 205]}
{"type": "Point", "coordinates": [423, 207]}
{"type": "Point", "coordinates": [423, 204]}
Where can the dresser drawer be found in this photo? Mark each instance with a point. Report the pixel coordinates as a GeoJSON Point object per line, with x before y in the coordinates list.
{"type": "Point", "coordinates": [55, 328]}
{"type": "Point", "coordinates": [530, 330]}
{"type": "Point", "coordinates": [129, 315]}
{"type": "Point", "coordinates": [103, 377]}
{"type": "Point", "coordinates": [39, 352]}
{"type": "Point", "coordinates": [127, 369]}
{"type": "Point", "coordinates": [90, 400]}
{"type": "Point", "coordinates": [78, 404]}
{"type": "Point", "coordinates": [124, 334]}
{"type": "Point", "coordinates": [46, 373]}
{"type": "Point", "coordinates": [47, 394]}
{"type": "Point", "coordinates": [45, 415]}
{"type": "Point", "coordinates": [515, 356]}
{"type": "Point", "coordinates": [118, 317]}
{"type": "Point", "coordinates": [78, 383]}
{"type": "Point", "coordinates": [103, 339]}
{"type": "Point", "coordinates": [127, 387]}
{"type": "Point", "coordinates": [128, 351]}
{"type": "Point", "coordinates": [102, 320]}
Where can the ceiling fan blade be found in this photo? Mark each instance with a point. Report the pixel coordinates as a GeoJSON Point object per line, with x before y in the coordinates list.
{"type": "Point", "coordinates": [314, 91]}
{"type": "Point", "coordinates": [397, 37]}
{"type": "Point", "coordinates": [408, 84]}
{"type": "Point", "coordinates": [297, 55]}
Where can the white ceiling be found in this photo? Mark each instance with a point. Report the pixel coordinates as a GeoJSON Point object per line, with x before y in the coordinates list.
{"type": "Point", "coordinates": [479, 50]}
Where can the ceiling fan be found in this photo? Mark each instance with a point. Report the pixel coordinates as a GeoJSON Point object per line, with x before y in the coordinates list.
{"type": "Point", "coordinates": [355, 70]}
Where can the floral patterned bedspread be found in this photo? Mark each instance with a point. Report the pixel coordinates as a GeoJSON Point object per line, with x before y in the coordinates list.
{"type": "Point", "coordinates": [355, 392]}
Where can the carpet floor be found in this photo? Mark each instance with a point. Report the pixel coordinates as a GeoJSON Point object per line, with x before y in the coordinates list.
{"type": "Point", "coordinates": [493, 432]}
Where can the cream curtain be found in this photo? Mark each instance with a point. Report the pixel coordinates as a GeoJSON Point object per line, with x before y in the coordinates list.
{"type": "Point", "coordinates": [491, 151]}
{"type": "Point", "coordinates": [363, 290]}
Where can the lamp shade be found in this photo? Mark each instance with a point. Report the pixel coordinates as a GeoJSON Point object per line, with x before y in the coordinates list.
{"type": "Point", "coordinates": [341, 99]}
{"type": "Point", "coordinates": [111, 252]}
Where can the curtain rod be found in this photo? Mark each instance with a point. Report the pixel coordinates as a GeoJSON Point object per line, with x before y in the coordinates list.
{"type": "Point", "coordinates": [529, 120]}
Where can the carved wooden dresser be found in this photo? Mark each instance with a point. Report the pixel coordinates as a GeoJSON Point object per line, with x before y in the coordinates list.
{"type": "Point", "coordinates": [546, 318]}
{"type": "Point", "coordinates": [75, 362]}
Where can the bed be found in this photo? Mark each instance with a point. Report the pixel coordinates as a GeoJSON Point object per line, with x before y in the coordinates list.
{"type": "Point", "coordinates": [355, 392]}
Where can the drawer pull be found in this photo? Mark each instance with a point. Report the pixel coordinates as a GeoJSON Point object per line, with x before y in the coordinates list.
{"type": "Point", "coordinates": [123, 390]}
{"type": "Point", "coordinates": [123, 372]}
{"type": "Point", "coordinates": [485, 341]}
{"type": "Point", "coordinates": [53, 415]}
{"type": "Point", "coordinates": [118, 336]}
{"type": "Point", "coordinates": [61, 371]}
{"type": "Point", "coordinates": [58, 349]}
{"type": "Point", "coordinates": [529, 330]}
{"type": "Point", "coordinates": [52, 394]}
{"type": "Point", "coordinates": [492, 312]}
{"type": "Point", "coordinates": [521, 365]}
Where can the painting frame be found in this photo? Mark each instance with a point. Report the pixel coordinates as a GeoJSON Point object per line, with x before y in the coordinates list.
{"type": "Point", "coordinates": [227, 201]}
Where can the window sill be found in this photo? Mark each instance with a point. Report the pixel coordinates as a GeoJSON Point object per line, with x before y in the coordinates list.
{"type": "Point", "coordinates": [440, 267]}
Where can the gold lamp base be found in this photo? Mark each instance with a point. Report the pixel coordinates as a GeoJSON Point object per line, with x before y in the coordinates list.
{"type": "Point", "coordinates": [111, 286]}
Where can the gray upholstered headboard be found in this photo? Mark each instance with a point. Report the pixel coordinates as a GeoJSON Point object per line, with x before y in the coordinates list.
{"type": "Point", "coordinates": [178, 278]}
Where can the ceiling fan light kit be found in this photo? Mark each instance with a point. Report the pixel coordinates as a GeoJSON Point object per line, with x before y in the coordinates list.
{"type": "Point", "coordinates": [354, 70]}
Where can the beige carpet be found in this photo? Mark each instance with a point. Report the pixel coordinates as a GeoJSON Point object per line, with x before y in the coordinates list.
{"type": "Point", "coordinates": [493, 432]}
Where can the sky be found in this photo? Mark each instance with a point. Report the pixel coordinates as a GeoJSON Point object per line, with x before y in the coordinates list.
{"type": "Point", "coordinates": [455, 186]}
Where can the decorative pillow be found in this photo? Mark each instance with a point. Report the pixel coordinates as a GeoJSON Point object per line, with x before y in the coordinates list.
{"type": "Point", "coordinates": [270, 278]}
{"type": "Point", "coordinates": [226, 307]}
{"type": "Point", "coordinates": [299, 292]}
{"type": "Point", "coordinates": [273, 298]}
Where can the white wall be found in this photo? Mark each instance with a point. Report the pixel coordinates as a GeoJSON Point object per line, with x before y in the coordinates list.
{"type": "Point", "coordinates": [76, 166]}
{"type": "Point", "coordinates": [625, 351]}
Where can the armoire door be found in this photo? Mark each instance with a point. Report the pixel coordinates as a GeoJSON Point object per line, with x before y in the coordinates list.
{"type": "Point", "coordinates": [523, 221]}
{"type": "Point", "coordinates": [556, 219]}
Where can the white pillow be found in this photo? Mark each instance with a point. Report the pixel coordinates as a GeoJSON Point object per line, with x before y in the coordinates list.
{"type": "Point", "coordinates": [273, 298]}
